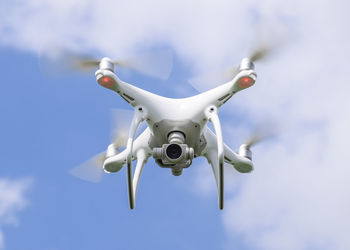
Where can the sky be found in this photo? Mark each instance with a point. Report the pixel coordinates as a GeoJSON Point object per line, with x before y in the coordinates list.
{"type": "Point", "coordinates": [297, 195]}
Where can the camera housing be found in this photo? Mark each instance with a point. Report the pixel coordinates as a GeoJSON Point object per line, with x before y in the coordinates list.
{"type": "Point", "coordinates": [174, 153]}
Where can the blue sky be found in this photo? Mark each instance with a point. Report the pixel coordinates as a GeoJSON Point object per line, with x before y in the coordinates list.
{"type": "Point", "coordinates": [295, 199]}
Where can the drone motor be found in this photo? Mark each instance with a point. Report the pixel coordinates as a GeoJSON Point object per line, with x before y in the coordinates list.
{"type": "Point", "coordinates": [112, 166]}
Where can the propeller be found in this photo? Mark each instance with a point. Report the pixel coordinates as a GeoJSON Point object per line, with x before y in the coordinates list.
{"type": "Point", "coordinates": [156, 64]}
{"type": "Point", "coordinates": [261, 52]}
{"type": "Point", "coordinates": [257, 137]}
{"type": "Point", "coordinates": [92, 170]}
{"type": "Point", "coordinates": [213, 79]}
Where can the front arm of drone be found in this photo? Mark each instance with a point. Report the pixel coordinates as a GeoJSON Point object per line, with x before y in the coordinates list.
{"type": "Point", "coordinates": [106, 77]}
{"type": "Point", "coordinates": [241, 161]}
{"type": "Point", "coordinates": [245, 78]}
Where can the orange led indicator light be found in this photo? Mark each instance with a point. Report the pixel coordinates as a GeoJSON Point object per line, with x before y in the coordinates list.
{"type": "Point", "coordinates": [246, 82]}
{"type": "Point", "coordinates": [106, 82]}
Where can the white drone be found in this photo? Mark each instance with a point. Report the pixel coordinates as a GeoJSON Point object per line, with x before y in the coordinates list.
{"type": "Point", "coordinates": [177, 130]}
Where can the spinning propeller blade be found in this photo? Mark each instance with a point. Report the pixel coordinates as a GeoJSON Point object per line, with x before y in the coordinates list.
{"type": "Point", "coordinates": [121, 121]}
{"type": "Point", "coordinates": [157, 64]}
{"type": "Point", "coordinates": [256, 139]}
{"type": "Point", "coordinates": [258, 136]}
{"type": "Point", "coordinates": [261, 52]}
{"type": "Point", "coordinates": [213, 79]}
{"type": "Point", "coordinates": [92, 170]}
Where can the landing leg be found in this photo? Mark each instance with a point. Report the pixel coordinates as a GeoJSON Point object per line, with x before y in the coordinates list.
{"type": "Point", "coordinates": [213, 117]}
{"type": "Point", "coordinates": [138, 118]}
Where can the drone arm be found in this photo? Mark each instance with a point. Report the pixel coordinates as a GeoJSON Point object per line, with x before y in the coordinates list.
{"type": "Point", "coordinates": [221, 94]}
{"type": "Point", "coordinates": [239, 162]}
{"type": "Point", "coordinates": [116, 162]}
{"type": "Point", "coordinates": [212, 116]}
{"type": "Point", "coordinates": [131, 94]}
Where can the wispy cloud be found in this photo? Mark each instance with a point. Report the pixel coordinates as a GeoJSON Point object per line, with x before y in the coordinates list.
{"type": "Point", "coordinates": [12, 201]}
{"type": "Point", "coordinates": [296, 198]}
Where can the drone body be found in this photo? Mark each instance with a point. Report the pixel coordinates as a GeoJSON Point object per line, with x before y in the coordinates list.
{"type": "Point", "coordinates": [177, 129]}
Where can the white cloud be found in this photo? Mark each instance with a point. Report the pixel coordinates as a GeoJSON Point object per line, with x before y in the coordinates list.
{"type": "Point", "coordinates": [296, 198]}
{"type": "Point", "coordinates": [12, 201]}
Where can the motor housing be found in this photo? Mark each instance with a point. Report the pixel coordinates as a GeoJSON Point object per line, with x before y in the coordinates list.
{"type": "Point", "coordinates": [245, 151]}
{"type": "Point", "coordinates": [112, 166]}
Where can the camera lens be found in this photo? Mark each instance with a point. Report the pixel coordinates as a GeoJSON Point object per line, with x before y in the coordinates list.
{"type": "Point", "coordinates": [173, 151]}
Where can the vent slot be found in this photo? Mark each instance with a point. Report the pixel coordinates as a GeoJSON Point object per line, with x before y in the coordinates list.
{"type": "Point", "coordinates": [223, 97]}
{"type": "Point", "coordinates": [129, 98]}
{"type": "Point", "coordinates": [125, 99]}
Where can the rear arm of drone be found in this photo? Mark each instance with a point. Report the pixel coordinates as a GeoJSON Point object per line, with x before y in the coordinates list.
{"type": "Point", "coordinates": [241, 163]}
{"type": "Point", "coordinates": [245, 78]}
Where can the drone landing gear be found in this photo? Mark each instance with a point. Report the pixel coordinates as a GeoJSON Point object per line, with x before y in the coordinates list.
{"type": "Point", "coordinates": [216, 157]}
{"type": "Point", "coordinates": [133, 180]}
{"type": "Point", "coordinates": [141, 161]}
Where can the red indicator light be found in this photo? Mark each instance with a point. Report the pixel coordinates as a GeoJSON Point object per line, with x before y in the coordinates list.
{"type": "Point", "coordinates": [246, 82]}
{"type": "Point", "coordinates": [106, 82]}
